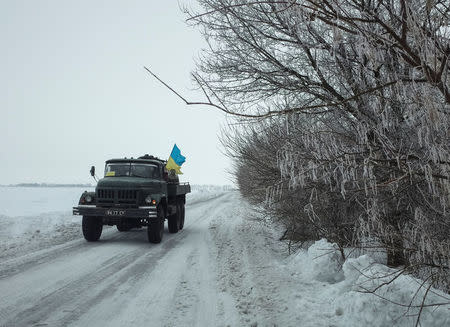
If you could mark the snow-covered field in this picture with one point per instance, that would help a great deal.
(226, 268)
(33, 218)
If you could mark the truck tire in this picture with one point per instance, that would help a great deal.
(173, 221)
(155, 228)
(182, 211)
(92, 228)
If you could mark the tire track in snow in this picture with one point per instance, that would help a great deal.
(18, 265)
(193, 298)
(78, 293)
(252, 287)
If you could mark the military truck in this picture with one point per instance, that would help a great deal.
(134, 193)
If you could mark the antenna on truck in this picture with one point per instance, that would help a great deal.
(92, 171)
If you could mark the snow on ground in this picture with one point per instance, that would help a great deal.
(26, 201)
(343, 288)
(226, 268)
(312, 287)
(33, 218)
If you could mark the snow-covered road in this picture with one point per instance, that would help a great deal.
(121, 280)
(193, 278)
(225, 268)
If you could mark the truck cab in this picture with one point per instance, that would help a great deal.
(134, 193)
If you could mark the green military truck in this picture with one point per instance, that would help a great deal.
(134, 193)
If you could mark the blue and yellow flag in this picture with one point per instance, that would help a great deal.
(175, 160)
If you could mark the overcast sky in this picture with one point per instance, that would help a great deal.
(73, 91)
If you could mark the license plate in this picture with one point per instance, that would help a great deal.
(115, 212)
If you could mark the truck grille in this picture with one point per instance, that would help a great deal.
(117, 197)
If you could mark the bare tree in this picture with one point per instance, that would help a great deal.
(364, 143)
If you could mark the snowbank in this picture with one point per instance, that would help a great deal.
(321, 262)
(349, 284)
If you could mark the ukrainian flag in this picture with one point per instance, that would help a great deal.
(175, 160)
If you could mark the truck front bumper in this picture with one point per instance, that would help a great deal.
(138, 213)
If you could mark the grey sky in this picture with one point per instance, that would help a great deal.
(73, 91)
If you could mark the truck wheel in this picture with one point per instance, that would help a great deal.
(155, 228)
(173, 221)
(92, 228)
(181, 216)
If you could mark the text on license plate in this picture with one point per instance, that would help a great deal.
(115, 212)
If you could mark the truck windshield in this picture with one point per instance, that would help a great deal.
(131, 169)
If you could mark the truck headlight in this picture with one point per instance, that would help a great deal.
(88, 198)
(148, 199)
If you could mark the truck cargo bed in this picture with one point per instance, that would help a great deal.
(178, 189)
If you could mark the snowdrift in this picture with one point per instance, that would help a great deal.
(366, 293)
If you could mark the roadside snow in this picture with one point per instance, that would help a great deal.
(347, 291)
(32, 218)
(267, 287)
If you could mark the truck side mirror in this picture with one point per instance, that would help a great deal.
(93, 171)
